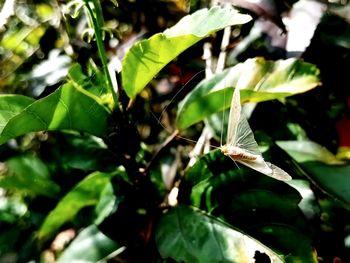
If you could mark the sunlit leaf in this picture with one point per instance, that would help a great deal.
(258, 79)
(145, 59)
(189, 235)
(86, 193)
(69, 107)
(30, 175)
(89, 246)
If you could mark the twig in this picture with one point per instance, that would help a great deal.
(222, 56)
(207, 56)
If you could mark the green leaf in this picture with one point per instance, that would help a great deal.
(303, 151)
(145, 59)
(189, 235)
(322, 167)
(258, 79)
(30, 175)
(251, 202)
(85, 193)
(69, 107)
(91, 245)
(10, 106)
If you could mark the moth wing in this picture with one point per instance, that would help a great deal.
(278, 173)
(235, 113)
(258, 165)
(266, 168)
(239, 132)
(245, 137)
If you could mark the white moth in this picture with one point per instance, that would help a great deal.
(241, 146)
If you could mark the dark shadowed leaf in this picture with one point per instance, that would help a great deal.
(145, 59)
(258, 79)
(189, 235)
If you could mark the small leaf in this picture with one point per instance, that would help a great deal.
(69, 107)
(89, 246)
(30, 175)
(258, 79)
(86, 193)
(189, 235)
(145, 59)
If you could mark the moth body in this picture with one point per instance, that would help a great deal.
(237, 153)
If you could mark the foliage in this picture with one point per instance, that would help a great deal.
(107, 109)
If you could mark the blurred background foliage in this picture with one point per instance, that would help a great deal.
(67, 195)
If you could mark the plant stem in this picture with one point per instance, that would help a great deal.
(97, 19)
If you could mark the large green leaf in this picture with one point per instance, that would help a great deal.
(10, 106)
(251, 202)
(322, 168)
(145, 59)
(89, 246)
(86, 193)
(258, 79)
(189, 235)
(69, 107)
(30, 175)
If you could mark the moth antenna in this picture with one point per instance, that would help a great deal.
(177, 93)
(178, 136)
(223, 120)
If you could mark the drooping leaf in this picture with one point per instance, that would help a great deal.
(145, 59)
(258, 79)
(70, 107)
(322, 167)
(251, 202)
(30, 175)
(189, 235)
(86, 193)
(89, 246)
